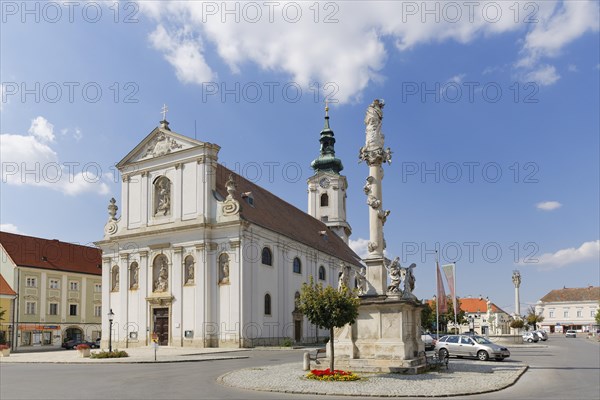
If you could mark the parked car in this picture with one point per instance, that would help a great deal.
(71, 344)
(542, 335)
(428, 341)
(530, 337)
(571, 333)
(470, 346)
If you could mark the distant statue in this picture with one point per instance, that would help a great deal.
(134, 277)
(343, 276)
(373, 152)
(395, 276)
(409, 278)
(231, 186)
(361, 281)
(189, 269)
(373, 120)
(116, 278)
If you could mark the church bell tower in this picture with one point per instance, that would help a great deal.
(327, 188)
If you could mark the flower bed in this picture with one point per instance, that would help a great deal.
(335, 375)
(110, 354)
(82, 346)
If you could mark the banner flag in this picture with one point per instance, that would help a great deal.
(441, 293)
(450, 272)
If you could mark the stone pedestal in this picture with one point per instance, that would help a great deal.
(385, 337)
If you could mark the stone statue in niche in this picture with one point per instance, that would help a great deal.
(115, 278)
(163, 196)
(134, 276)
(161, 284)
(189, 270)
(224, 269)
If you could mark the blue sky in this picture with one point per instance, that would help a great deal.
(492, 115)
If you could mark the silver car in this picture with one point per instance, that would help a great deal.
(470, 346)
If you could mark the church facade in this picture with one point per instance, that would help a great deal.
(200, 256)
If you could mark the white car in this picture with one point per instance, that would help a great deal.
(571, 333)
(428, 341)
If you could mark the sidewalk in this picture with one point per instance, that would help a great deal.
(164, 354)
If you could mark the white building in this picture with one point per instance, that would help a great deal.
(569, 308)
(200, 256)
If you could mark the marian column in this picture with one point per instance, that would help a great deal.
(374, 155)
(516, 278)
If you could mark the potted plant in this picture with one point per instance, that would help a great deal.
(83, 350)
(4, 350)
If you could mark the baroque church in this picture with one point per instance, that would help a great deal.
(200, 256)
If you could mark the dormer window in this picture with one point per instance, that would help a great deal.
(248, 197)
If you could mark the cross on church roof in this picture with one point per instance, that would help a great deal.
(164, 112)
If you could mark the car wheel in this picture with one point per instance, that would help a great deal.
(443, 353)
(530, 340)
(483, 355)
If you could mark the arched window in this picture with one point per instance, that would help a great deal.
(324, 200)
(134, 275)
(189, 269)
(160, 274)
(267, 257)
(162, 196)
(297, 266)
(224, 268)
(322, 275)
(115, 278)
(267, 304)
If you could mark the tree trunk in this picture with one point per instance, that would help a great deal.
(332, 358)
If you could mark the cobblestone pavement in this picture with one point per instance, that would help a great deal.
(462, 378)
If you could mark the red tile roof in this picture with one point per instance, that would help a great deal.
(474, 305)
(5, 288)
(28, 251)
(275, 214)
(590, 293)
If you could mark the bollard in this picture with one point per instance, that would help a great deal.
(306, 363)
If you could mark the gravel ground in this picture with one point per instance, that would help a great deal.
(462, 378)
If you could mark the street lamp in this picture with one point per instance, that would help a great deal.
(111, 315)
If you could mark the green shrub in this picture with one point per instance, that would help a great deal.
(110, 354)
(287, 342)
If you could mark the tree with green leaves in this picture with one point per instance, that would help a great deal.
(2, 312)
(517, 324)
(598, 314)
(328, 308)
(427, 317)
(533, 318)
(448, 316)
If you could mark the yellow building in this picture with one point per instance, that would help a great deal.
(7, 298)
(58, 289)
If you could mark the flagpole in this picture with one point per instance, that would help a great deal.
(437, 293)
(456, 305)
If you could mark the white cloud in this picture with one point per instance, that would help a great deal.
(572, 68)
(184, 53)
(27, 160)
(548, 205)
(350, 51)
(359, 246)
(11, 228)
(588, 251)
(42, 129)
(545, 75)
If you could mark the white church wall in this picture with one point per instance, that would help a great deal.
(189, 194)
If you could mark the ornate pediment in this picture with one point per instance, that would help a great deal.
(158, 143)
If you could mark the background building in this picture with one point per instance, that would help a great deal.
(484, 317)
(7, 301)
(58, 290)
(570, 308)
(201, 256)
